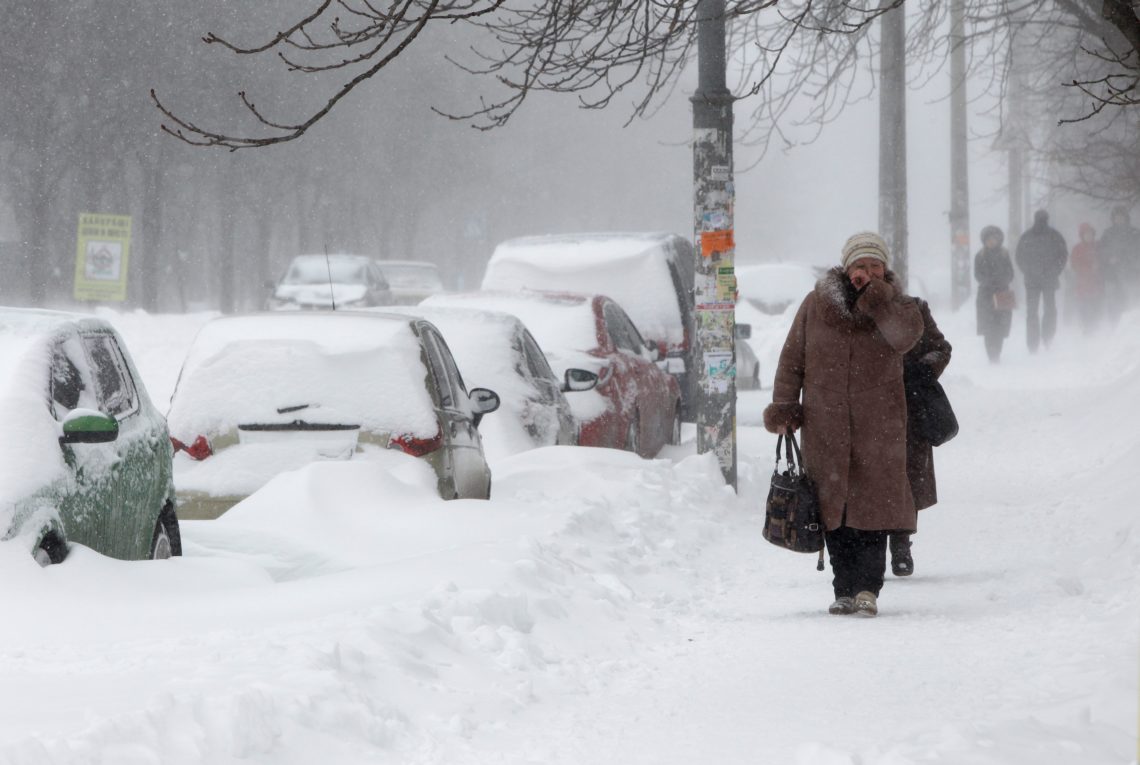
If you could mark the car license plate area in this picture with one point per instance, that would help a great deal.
(328, 442)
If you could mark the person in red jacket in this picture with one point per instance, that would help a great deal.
(1089, 278)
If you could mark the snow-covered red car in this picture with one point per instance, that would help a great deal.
(650, 275)
(636, 405)
(262, 394)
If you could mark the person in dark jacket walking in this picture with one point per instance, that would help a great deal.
(844, 354)
(1119, 251)
(994, 271)
(924, 362)
(1041, 256)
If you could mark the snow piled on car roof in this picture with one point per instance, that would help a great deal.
(330, 368)
(632, 269)
(561, 323)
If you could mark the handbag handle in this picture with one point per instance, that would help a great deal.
(796, 464)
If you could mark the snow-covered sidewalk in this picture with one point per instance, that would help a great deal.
(606, 609)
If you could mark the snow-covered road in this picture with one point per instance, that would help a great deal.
(605, 609)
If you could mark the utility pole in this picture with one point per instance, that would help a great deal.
(714, 291)
(959, 161)
(892, 139)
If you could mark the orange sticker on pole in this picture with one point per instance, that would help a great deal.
(713, 242)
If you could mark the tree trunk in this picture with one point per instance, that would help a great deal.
(148, 259)
(959, 161)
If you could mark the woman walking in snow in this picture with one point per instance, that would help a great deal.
(844, 354)
(993, 269)
(1089, 287)
(924, 362)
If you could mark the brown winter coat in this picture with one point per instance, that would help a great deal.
(846, 358)
(929, 358)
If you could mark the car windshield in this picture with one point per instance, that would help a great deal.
(316, 270)
(412, 276)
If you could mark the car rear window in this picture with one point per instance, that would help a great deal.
(327, 369)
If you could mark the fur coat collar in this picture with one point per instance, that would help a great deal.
(837, 297)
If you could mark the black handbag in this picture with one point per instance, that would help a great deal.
(792, 518)
(929, 414)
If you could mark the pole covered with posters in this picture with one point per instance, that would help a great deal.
(714, 291)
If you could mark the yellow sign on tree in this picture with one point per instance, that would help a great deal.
(102, 256)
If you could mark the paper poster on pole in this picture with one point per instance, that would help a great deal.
(102, 256)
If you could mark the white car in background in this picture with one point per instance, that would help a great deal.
(321, 282)
(498, 350)
(262, 394)
(410, 281)
(771, 287)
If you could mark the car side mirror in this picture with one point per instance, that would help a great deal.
(744, 331)
(482, 401)
(87, 426)
(578, 380)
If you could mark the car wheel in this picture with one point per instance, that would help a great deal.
(632, 436)
(675, 436)
(166, 542)
(50, 550)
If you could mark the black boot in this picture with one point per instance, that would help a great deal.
(902, 564)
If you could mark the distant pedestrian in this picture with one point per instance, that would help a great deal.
(994, 271)
(844, 355)
(924, 362)
(1041, 256)
(1089, 287)
(1119, 250)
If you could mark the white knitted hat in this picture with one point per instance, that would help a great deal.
(865, 244)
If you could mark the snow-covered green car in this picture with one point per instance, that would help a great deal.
(87, 456)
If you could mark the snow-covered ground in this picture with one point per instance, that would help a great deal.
(607, 609)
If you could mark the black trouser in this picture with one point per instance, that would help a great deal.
(1048, 321)
(858, 560)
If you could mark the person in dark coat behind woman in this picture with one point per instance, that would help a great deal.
(924, 362)
(844, 354)
(1041, 255)
(994, 271)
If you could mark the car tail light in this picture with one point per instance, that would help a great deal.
(200, 449)
(417, 447)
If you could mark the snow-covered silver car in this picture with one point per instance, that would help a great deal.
(321, 282)
(265, 393)
(87, 457)
(497, 349)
